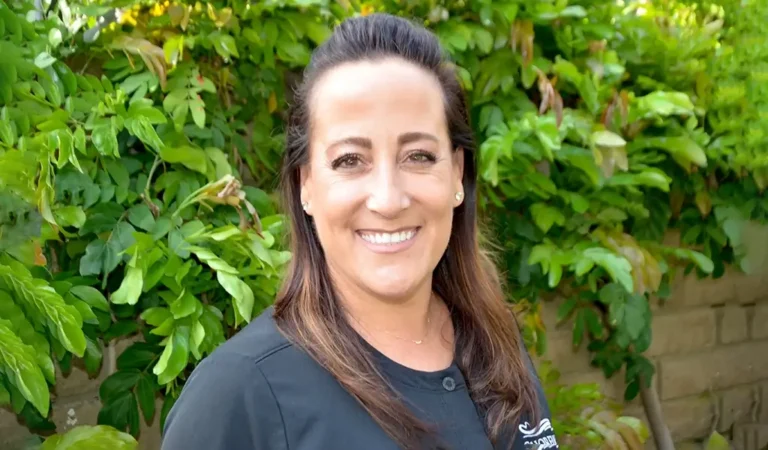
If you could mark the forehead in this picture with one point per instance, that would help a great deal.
(371, 97)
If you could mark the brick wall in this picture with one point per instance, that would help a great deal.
(710, 349)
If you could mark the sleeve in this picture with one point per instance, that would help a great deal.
(226, 404)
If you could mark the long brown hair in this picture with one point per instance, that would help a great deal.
(307, 310)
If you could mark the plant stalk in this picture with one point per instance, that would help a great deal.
(652, 407)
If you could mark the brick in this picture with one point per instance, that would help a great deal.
(76, 384)
(560, 352)
(763, 418)
(721, 368)
(737, 405)
(689, 418)
(71, 414)
(692, 291)
(750, 288)
(13, 435)
(733, 324)
(760, 321)
(751, 436)
(684, 331)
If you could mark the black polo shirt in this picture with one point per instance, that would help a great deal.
(257, 391)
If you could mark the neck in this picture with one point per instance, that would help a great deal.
(405, 316)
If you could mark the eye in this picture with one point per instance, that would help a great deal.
(422, 157)
(347, 161)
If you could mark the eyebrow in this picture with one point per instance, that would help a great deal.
(405, 138)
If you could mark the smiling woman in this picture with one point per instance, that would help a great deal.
(391, 329)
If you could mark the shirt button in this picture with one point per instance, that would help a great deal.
(449, 384)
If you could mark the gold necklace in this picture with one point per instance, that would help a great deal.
(414, 341)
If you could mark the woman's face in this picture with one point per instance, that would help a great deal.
(382, 180)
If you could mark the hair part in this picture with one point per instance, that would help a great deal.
(488, 345)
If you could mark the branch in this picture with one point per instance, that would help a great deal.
(652, 407)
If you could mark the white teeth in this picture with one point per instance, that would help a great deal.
(388, 238)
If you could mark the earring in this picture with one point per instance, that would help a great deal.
(305, 205)
(459, 195)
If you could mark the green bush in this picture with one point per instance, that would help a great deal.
(140, 144)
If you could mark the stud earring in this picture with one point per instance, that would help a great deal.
(305, 205)
(459, 195)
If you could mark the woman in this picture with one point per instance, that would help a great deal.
(391, 330)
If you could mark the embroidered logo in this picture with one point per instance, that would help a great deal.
(541, 437)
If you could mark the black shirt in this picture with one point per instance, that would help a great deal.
(257, 391)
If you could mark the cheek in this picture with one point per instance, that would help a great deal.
(334, 202)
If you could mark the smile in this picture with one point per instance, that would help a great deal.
(388, 242)
(388, 238)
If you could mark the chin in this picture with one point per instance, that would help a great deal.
(391, 286)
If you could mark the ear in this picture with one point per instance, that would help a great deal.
(305, 183)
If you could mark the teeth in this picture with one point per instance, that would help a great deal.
(388, 238)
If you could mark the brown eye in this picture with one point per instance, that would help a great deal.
(422, 157)
(348, 161)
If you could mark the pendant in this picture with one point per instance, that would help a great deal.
(418, 342)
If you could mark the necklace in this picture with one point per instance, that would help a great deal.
(414, 341)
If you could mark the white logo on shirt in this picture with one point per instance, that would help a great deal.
(532, 437)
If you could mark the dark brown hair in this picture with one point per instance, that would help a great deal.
(307, 310)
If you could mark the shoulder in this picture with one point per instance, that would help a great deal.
(256, 342)
(228, 392)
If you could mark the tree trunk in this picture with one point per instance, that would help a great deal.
(652, 407)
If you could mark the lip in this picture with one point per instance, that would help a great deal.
(389, 248)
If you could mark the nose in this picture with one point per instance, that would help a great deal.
(387, 195)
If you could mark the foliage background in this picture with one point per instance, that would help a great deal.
(140, 145)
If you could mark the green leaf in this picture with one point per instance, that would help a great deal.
(91, 296)
(156, 316)
(18, 361)
(104, 138)
(130, 288)
(118, 383)
(88, 437)
(197, 107)
(121, 412)
(605, 138)
(70, 216)
(241, 292)
(716, 441)
(545, 216)
(6, 133)
(120, 329)
(138, 356)
(51, 311)
(184, 305)
(631, 313)
(191, 157)
(617, 267)
(175, 356)
(224, 44)
(99, 258)
(145, 392)
(141, 217)
(664, 104)
(118, 172)
(93, 357)
(142, 128)
(683, 149)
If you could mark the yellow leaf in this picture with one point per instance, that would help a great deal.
(272, 103)
(39, 256)
(366, 10)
